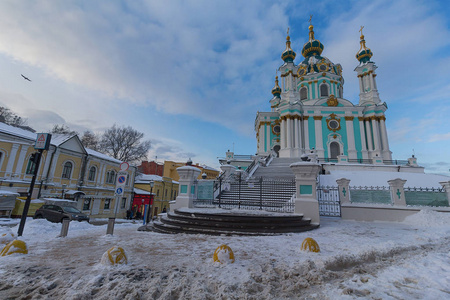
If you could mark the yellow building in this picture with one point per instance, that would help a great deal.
(67, 170)
(164, 190)
(170, 170)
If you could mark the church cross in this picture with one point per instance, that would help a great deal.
(310, 17)
(288, 31)
(398, 193)
(344, 191)
(361, 29)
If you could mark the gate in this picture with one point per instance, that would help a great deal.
(329, 204)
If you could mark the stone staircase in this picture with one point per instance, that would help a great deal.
(278, 168)
(229, 222)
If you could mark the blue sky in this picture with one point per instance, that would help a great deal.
(191, 75)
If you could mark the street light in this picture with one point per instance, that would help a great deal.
(149, 214)
(63, 190)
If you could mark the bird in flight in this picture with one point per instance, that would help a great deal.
(26, 78)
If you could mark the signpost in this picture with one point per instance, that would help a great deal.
(42, 143)
(119, 190)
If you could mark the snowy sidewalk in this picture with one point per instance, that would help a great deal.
(380, 260)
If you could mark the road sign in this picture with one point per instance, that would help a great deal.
(124, 166)
(121, 178)
(119, 191)
(42, 141)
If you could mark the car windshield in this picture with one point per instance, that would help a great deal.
(71, 209)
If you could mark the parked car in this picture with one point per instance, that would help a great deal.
(56, 213)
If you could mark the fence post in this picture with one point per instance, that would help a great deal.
(64, 228)
(260, 192)
(446, 186)
(344, 190)
(240, 175)
(397, 191)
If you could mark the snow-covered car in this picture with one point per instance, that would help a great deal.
(56, 213)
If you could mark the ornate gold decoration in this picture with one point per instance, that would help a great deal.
(332, 101)
(302, 78)
(305, 118)
(334, 136)
(361, 118)
(333, 123)
(324, 74)
(324, 81)
(349, 118)
(317, 117)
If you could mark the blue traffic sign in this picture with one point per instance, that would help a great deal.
(119, 191)
(121, 179)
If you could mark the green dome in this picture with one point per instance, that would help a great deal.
(364, 54)
(313, 46)
(276, 91)
(288, 54)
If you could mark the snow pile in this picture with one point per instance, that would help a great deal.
(358, 260)
(428, 218)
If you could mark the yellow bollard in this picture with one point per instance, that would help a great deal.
(16, 246)
(114, 256)
(310, 245)
(223, 254)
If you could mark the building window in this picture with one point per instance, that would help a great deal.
(323, 90)
(67, 170)
(122, 204)
(31, 166)
(86, 203)
(303, 93)
(107, 203)
(92, 172)
(110, 177)
(157, 193)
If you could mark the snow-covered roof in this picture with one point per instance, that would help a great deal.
(8, 193)
(144, 178)
(8, 129)
(141, 192)
(102, 156)
(367, 178)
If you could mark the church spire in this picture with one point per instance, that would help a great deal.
(364, 54)
(276, 91)
(288, 54)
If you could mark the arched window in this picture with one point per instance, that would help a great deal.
(340, 92)
(92, 172)
(303, 93)
(335, 149)
(324, 90)
(67, 170)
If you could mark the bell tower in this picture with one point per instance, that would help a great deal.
(368, 91)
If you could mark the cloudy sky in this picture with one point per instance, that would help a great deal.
(191, 75)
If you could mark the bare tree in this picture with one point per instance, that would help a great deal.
(124, 143)
(62, 129)
(10, 118)
(90, 140)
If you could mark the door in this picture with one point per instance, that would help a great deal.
(335, 150)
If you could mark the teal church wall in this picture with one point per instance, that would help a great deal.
(312, 133)
(358, 142)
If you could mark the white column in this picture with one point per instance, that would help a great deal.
(306, 131)
(372, 81)
(384, 139)
(289, 132)
(300, 133)
(376, 133)
(310, 90)
(319, 139)
(103, 173)
(268, 129)
(316, 88)
(283, 133)
(261, 137)
(11, 160)
(20, 162)
(55, 161)
(48, 160)
(369, 135)
(296, 135)
(350, 137)
(363, 138)
(361, 87)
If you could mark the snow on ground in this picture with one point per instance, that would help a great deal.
(358, 260)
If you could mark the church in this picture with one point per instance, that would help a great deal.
(309, 111)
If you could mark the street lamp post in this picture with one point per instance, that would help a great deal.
(149, 214)
(63, 190)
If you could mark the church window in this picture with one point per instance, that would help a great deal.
(323, 90)
(303, 93)
(334, 150)
(276, 129)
